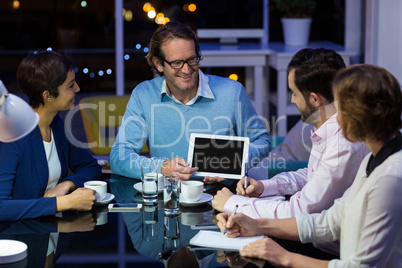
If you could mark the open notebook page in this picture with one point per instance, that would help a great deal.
(218, 240)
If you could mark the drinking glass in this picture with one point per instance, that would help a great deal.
(171, 194)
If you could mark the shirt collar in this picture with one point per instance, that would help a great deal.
(203, 90)
(388, 149)
(326, 130)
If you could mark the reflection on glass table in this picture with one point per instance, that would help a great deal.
(166, 237)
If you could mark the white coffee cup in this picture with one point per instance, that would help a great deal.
(99, 186)
(191, 191)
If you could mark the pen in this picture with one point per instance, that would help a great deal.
(233, 212)
(245, 180)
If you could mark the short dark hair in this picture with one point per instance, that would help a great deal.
(315, 70)
(171, 30)
(369, 101)
(42, 71)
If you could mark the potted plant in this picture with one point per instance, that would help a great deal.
(296, 20)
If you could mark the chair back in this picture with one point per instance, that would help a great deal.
(102, 117)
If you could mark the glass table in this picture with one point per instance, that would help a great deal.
(148, 238)
(99, 238)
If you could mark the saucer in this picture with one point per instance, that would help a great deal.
(12, 251)
(204, 199)
(106, 200)
(138, 187)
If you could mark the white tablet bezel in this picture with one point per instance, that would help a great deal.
(246, 141)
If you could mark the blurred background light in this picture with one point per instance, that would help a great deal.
(128, 16)
(234, 77)
(147, 7)
(151, 14)
(16, 4)
(192, 7)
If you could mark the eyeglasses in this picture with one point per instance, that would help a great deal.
(178, 64)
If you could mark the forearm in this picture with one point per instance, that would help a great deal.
(125, 161)
(280, 228)
(68, 185)
(63, 203)
(285, 183)
(295, 260)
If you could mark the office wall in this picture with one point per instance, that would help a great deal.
(383, 44)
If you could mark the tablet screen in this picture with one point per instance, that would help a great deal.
(217, 155)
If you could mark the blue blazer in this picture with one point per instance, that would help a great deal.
(24, 173)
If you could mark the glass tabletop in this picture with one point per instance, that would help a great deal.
(99, 238)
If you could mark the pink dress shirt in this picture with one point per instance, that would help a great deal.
(331, 169)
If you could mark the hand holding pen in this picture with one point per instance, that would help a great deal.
(254, 187)
(245, 180)
(233, 213)
(239, 224)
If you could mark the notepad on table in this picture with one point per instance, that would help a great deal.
(217, 240)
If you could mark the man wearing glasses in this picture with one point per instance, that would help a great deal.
(165, 110)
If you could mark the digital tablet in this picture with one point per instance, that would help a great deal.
(218, 155)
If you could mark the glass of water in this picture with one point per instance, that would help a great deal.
(149, 178)
(171, 194)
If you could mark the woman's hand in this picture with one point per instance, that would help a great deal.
(238, 225)
(61, 189)
(266, 249)
(81, 199)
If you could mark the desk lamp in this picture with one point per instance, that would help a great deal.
(17, 118)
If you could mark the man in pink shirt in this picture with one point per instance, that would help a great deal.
(333, 161)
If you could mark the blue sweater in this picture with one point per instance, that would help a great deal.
(24, 173)
(166, 125)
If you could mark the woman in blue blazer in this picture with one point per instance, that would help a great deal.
(34, 171)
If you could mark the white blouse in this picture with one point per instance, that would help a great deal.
(367, 218)
(53, 163)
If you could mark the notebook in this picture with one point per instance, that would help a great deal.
(218, 155)
(217, 240)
